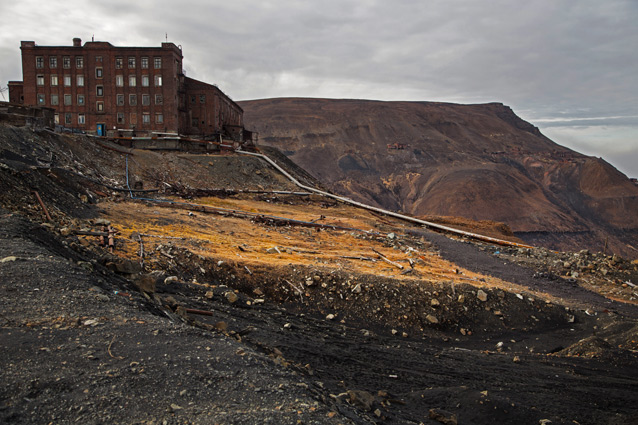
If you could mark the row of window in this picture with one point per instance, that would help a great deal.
(132, 80)
(146, 118)
(55, 100)
(68, 99)
(68, 119)
(53, 62)
(55, 80)
(144, 61)
(79, 62)
(119, 80)
(81, 118)
(146, 99)
(202, 98)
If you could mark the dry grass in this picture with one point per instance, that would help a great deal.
(250, 243)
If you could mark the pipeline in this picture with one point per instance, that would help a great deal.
(342, 199)
(385, 212)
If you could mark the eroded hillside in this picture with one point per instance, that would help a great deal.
(476, 161)
(229, 296)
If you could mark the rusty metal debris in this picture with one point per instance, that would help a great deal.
(200, 312)
(44, 208)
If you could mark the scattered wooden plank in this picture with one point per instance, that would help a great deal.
(381, 256)
(352, 257)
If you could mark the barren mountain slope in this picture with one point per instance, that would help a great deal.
(478, 161)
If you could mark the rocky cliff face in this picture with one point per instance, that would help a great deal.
(477, 161)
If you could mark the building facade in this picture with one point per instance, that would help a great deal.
(122, 91)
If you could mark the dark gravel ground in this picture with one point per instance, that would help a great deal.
(468, 255)
(74, 351)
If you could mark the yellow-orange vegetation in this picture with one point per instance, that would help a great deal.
(249, 243)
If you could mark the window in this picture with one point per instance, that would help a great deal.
(146, 118)
(81, 119)
(159, 118)
(98, 59)
(99, 91)
(68, 118)
(131, 62)
(98, 72)
(40, 80)
(158, 81)
(202, 98)
(80, 99)
(120, 100)
(132, 81)
(55, 100)
(66, 62)
(157, 62)
(67, 99)
(193, 98)
(119, 63)
(120, 118)
(53, 61)
(67, 81)
(119, 81)
(39, 62)
(132, 99)
(144, 62)
(99, 106)
(133, 118)
(79, 62)
(54, 80)
(146, 100)
(56, 118)
(159, 99)
(80, 80)
(145, 81)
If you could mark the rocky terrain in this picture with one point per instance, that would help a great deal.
(229, 296)
(480, 162)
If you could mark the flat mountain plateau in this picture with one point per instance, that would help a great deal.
(232, 296)
(481, 162)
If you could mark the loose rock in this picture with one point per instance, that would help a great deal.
(481, 295)
(231, 297)
(443, 416)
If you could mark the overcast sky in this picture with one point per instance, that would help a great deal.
(569, 67)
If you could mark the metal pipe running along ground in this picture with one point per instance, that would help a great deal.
(386, 212)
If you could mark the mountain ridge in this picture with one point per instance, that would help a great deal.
(479, 161)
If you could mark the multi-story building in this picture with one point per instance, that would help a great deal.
(108, 90)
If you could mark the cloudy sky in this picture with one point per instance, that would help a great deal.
(569, 67)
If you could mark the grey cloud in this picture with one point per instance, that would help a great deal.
(590, 122)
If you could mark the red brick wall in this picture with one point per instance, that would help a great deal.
(212, 108)
(16, 92)
(103, 55)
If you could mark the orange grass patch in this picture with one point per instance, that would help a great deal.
(252, 243)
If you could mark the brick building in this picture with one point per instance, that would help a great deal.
(123, 91)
